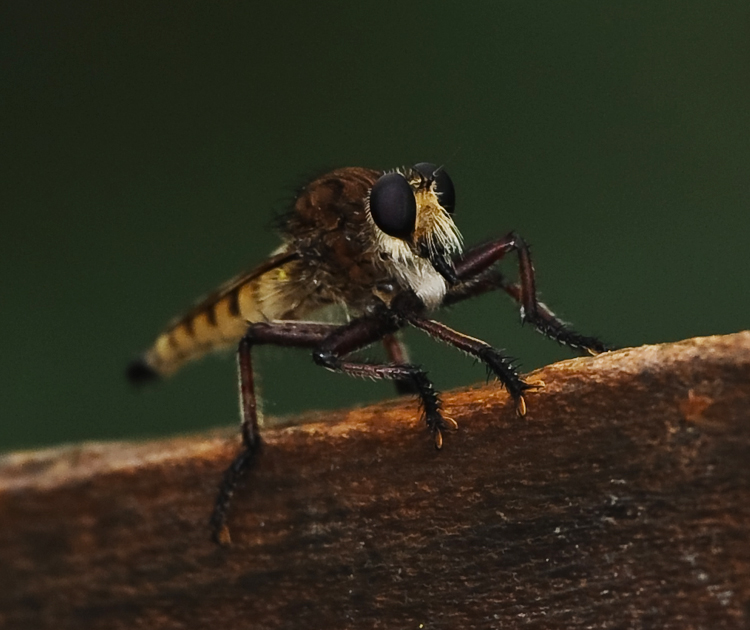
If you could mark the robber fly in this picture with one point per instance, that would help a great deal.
(384, 249)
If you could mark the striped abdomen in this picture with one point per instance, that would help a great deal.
(220, 320)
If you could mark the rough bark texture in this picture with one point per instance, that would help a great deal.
(621, 501)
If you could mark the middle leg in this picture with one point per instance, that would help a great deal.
(396, 352)
(333, 351)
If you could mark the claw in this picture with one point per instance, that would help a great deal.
(521, 406)
(450, 423)
(438, 439)
(537, 385)
(222, 536)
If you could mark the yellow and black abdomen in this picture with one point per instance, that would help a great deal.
(219, 320)
(325, 260)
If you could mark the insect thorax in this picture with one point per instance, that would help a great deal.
(344, 258)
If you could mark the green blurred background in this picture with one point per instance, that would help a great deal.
(146, 145)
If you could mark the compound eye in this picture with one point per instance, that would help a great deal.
(393, 205)
(443, 184)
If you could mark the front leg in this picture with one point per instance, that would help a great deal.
(473, 269)
(495, 360)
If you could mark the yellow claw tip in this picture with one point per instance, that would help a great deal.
(223, 537)
(453, 424)
(438, 439)
(521, 406)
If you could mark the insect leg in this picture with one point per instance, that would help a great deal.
(293, 334)
(361, 332)
(397, 353)
(492, 280)
(484, 282)
(494, 359)
(473, 265)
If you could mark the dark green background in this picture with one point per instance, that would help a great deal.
(146, 145)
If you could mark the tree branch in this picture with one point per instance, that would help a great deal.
(621, 500)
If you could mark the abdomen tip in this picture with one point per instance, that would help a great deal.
(140, 372)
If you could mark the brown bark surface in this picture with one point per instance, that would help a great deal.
(622, 500)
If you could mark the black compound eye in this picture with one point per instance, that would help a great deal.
(393, 205)
(443, 184)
